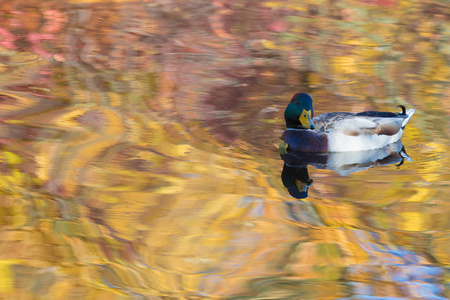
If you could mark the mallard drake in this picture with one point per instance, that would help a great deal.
(339, 131)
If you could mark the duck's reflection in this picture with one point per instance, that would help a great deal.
(295, 175)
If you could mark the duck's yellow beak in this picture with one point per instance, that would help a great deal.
(305, 119)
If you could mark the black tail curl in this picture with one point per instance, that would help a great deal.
(403, 110)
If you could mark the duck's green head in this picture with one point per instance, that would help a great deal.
(299, 112)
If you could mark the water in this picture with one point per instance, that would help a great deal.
(139, 159)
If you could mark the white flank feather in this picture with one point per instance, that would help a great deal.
(338, 141)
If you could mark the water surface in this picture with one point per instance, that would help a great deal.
(139, 159)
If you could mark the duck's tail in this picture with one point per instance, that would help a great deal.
(409, 113)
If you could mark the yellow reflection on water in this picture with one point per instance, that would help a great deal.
(137, 157)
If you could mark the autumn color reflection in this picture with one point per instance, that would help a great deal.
(137, 155)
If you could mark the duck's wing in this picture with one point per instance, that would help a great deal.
(328, 120)
(360, 125)
(366, 123)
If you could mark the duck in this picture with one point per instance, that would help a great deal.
(339, 131)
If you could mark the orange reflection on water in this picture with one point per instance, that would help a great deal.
(137, 150)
